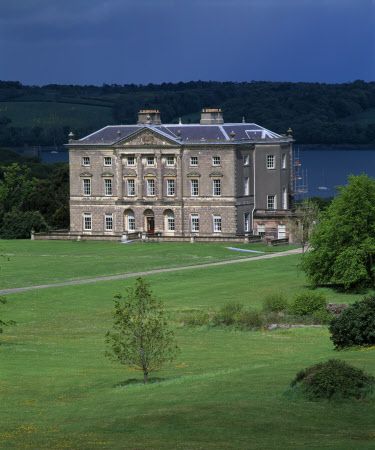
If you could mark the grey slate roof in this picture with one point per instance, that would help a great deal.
(184, 133)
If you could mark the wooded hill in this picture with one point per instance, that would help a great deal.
(318, 113)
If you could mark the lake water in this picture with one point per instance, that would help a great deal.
(325, 167)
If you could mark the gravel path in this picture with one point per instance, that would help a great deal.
(124, 276)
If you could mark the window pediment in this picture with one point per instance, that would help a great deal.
(193, 175)
(85, 174)
(216, 175)
(130, 173)
(107, 174)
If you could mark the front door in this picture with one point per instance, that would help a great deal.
(150, 225)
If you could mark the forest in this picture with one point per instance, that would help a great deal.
(318, 113)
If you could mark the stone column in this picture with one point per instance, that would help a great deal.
(159, 179)
(119, 176)
(140, 176)
(180, 190)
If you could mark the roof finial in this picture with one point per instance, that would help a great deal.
(179, 121)
(71, 136)
(290, 132)
(243, 119)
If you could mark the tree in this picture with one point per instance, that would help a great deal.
(343, 242)
(141, 337)
(306, 214)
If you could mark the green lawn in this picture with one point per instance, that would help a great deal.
(225, 391)
(28, 262)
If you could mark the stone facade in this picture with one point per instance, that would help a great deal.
(209, 179)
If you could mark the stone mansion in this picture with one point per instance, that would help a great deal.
(212, 179)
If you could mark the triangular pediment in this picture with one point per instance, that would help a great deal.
(147, 137)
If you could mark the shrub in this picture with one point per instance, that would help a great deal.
(249, 319)
(196, 318)
(333, 379)
(275, 302)
(227, 314)
(306, 303)
(322, 316)
(355, 325)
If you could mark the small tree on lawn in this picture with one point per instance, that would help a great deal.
(141, 337)
(305, 218)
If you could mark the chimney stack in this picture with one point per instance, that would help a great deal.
(211, 116)
(149, 116)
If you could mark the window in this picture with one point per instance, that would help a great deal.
(216, 187)
(131, 221)
(130, 161)
(246, 220)
(270, 161)
(271, 201)
(217, 224)
(246, 186)
(194, 222)
(130, 184)
(285, 198)
(171, 187)
(150, 187)
(87, 186)
(170, 222)
(87, 222)
(170, 161)
(283, 160)
(107, 186)
(107, 161)
(261, 230)
(108, 222)
(246, 160)
(193, 160)
(281, 231)
(194, 185)
(150, 160)
(216, 161)
(86, 160)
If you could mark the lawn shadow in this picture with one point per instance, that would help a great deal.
(138, 381)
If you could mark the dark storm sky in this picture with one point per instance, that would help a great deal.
(142, 41)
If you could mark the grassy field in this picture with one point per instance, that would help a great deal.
(227, 389)
(27, 263)
(46, 114)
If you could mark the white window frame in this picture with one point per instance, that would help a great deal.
(150, 187)
(195, 159)
(217, 224)
(108, 222)
(130, 222)
(246, 186)
(216, 160)
(171, 187)
(274, 202)
(86, 182)
(194, 223)
(107, 161)
(285, 198)
(271, 162)
(194, 187)
(86, 161)
(130, 187)
(87, 216)
(130, 158)
(148, 161)
(108, 187)
(246, 221)
(170, 222)
(170, 161)
(216, 187)
(283, 161)
(261, 230)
